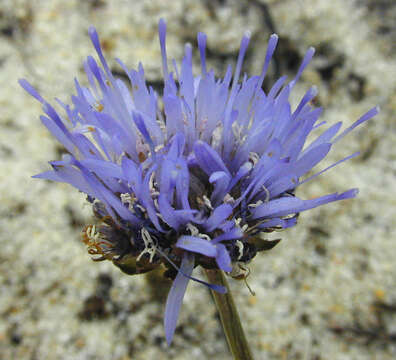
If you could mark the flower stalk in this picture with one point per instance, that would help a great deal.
(229, 317)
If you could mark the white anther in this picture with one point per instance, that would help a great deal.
(96, 244)
(125, 198)
(140, 207)
(161, 122)
(237, 270)
(159, 147)
(151, 182)
(254, 158)
(237, 221)
(217, 136)
(195, 232)
(192, 229)
(156, 204)
(238, 133)
(228, 199)
(92, 234)
(128, 199)
(207, 202)
(254, 205)
(118, 158)
(159, 215)
(150, 247)
(204, 236)
(237, 130)
(267, 194)
(239, 245)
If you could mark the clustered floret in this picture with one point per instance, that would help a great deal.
(192, 177)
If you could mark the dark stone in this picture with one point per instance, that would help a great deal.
(93, 309)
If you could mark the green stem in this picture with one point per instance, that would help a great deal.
(232, 326)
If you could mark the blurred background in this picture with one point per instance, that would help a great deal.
(327, 291)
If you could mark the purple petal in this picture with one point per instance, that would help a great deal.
(187, 89)
(278, 207)
(283, 223)
(311, 158)
(282, 184)
(138, 119)
(60, 127)
(219, 215)
(147, 200)
(105, 195)
(86, 147)
(221, 182)
(162, 39)
(235, 233)
(325, 137)
(96, 71)
(273, 41)
(175, 297)
(367, 116)
(291, 205)
(223, 258)
(242, 172)
(182, 184)
(132, 174)
(276, 87)
(168, 178)
(59, 133)
(242, 51)
(174, 114)
(104, 168)
(208, 158)
(30, 89)
(307, 59)
(219, 288)
(329, 167)
(167, 211)
(296, 141)
(96, 43)
(201, 37)
(310, 94)
(197, 245)
(177, 147)
(67, 174)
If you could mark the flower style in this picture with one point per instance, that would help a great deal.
(191, 178)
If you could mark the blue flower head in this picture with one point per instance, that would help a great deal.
(194, 176)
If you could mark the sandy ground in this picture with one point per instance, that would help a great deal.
(327, 291)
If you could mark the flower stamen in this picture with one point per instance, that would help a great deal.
(150, 246)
